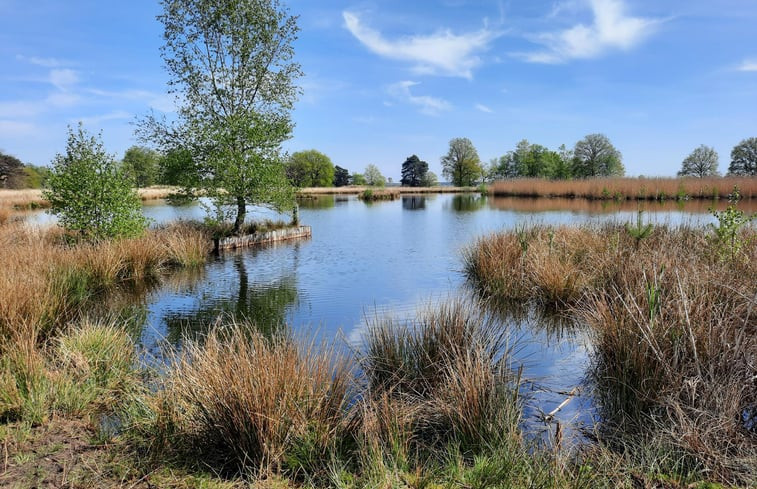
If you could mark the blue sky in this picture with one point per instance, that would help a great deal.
(387, 79)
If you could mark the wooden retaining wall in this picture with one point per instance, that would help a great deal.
(234, 242)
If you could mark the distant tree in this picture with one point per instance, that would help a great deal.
(90, 192)
(35, 176)
(310, 168)
(11, 171)
(461, 164)
(702, 162)
(430, 180)
(358, 179)
(177, 167)
(595, 156)
(373, 176)
(413, 171)
(563, 169)
(341, 176)
(142, 164)
(744, 158)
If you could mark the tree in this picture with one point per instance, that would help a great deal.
(373, 176)
(413, 171)
(744, 158)
(595, 156)
(177, 167)
(341, 176)
(90, 193)
(461, 164)
(702, 162)
(430, 180)
(310, 168)
(358, 179)
(11, 171)
(142, 164)
(231, 65)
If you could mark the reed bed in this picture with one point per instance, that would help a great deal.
(712, 188)
(674, 326)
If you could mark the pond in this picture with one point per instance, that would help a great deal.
(387, 258)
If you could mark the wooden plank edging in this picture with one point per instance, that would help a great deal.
(253, 239)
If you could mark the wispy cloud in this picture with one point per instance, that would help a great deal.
(748, 65)
(158, 101)
(110, 116)
(63, 79)
(16, 128)
(483, 108)
(428, 105)
(46, 62)
(612, 28)
(440, 53)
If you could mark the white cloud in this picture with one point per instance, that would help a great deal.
(612, 28)
(110, 116)
(441, 53)
(483, 108)
(46, 62)
(748, 65)
(63, 79)
(158, 101)
(428, 105)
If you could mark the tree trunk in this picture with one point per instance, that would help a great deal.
(241, 214)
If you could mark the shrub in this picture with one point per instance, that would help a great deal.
(90, 193)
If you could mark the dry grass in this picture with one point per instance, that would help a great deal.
(674, 323)
(32, 198)
(247, 402)
(628, 188)
(558, 204)
(45, 281)
(443, 378)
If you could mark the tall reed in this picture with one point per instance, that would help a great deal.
(627, 188)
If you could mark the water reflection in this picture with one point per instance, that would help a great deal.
(316, 201)
(532, 205)
(467, 202)
(262, 304)
(413, 202)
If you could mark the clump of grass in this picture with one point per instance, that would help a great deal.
(84, 371)
(372, 195)
(248, 403)
(5, 215)
(450, 369)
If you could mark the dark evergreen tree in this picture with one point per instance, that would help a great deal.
(413, 172)
(744, 158)
(11, 171)
(341, 176)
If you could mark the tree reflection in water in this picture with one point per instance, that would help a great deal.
(263, 305)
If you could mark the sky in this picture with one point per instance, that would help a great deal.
(385, 79)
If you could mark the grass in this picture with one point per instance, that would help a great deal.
(32, 198)
(662, 189)
(372, 195)
(673, 326)
(46, 282)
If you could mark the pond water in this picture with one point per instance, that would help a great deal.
(387, 258)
